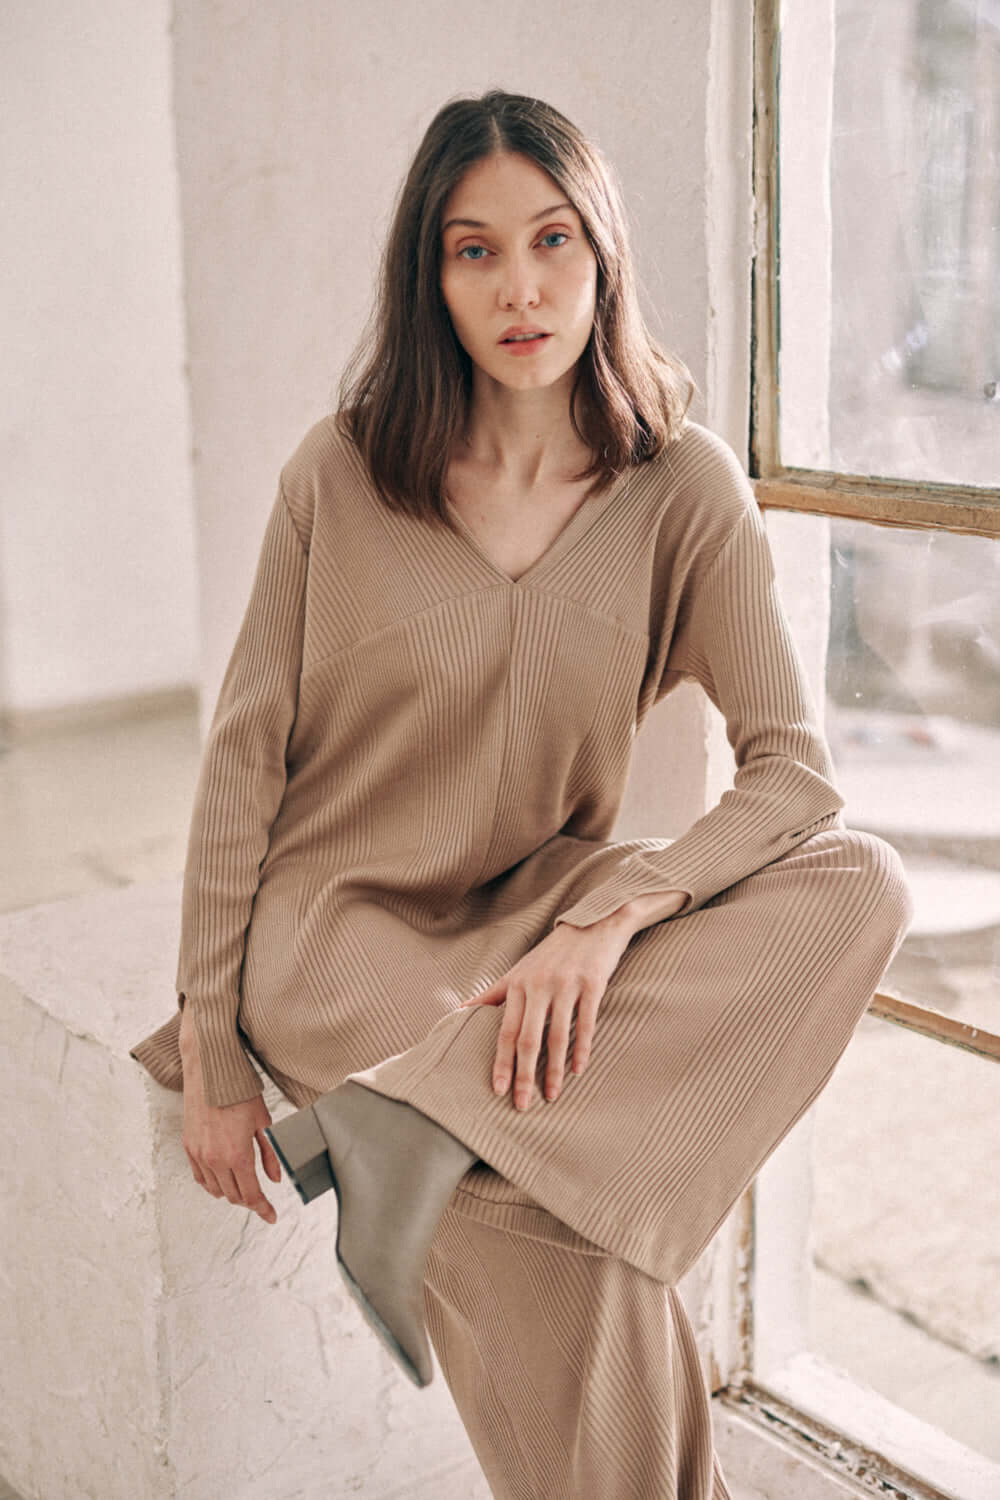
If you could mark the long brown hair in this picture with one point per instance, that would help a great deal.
(405, 393)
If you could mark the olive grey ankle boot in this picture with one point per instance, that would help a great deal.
(393, 1170)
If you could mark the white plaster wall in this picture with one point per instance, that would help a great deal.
(806, 289)
(729, 220)
(683, 762)
(97, 594)
(800, 544)
(783, 1192)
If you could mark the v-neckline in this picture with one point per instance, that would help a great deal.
(563, 539)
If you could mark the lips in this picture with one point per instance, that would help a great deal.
(522, 333)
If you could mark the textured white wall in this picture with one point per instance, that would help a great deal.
(807, 73)
(169, 1347)
(97, 591)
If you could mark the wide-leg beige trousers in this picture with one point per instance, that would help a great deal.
(576, 1376)
(550, 1290)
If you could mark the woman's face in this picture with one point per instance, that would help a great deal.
(521, 259)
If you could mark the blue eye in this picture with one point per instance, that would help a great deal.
(479, 252)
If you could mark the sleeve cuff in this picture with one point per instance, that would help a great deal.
(228, 1075)
(702, 863)
(160, 1054)
(634, 876)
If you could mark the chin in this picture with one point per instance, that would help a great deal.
(526, 375)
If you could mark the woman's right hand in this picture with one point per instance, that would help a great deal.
(219, 1141)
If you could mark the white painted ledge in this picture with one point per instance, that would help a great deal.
(873, 1424)
(157, 1343)
(768, 1469)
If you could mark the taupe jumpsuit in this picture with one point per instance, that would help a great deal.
(412, 774)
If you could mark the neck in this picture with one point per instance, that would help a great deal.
(523, 437)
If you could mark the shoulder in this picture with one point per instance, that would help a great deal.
(706, 487)
(705, 502)
(707, 476)
(325, 462)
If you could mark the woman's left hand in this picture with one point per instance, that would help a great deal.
(567, 972)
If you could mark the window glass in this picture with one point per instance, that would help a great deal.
(889, 283)
(906, 1203)
(912, 715)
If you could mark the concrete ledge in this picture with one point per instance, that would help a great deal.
(157, 1343)
(95, 713)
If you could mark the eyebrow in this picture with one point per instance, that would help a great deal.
(478, 223)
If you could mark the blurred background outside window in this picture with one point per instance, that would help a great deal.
(888, 366)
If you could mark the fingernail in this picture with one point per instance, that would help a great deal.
(500, 1085)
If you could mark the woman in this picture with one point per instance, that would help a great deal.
(544, 1064)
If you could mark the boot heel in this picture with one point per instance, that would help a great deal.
(301, 1149)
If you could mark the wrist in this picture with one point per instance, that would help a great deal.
(619, 924)
(643, 911)
(187, 1037)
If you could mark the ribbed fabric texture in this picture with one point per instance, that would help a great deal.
(409, 746)
(412, 774)
(715, 1033)
(576, 1377)
(575, 1371)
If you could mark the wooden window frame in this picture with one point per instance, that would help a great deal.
(897, 503)
(767, 1425)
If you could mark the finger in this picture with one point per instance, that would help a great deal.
(250, 1193)
(268, 1157)
(556, 1047)
(211, 1182)
(226, 1179)
(529, 1043)
(586, 1024)
(196, 1171)
(493, 996)
(503, 1063)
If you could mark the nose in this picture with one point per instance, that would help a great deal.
(518, 284)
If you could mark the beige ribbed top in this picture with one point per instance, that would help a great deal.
(414, 755)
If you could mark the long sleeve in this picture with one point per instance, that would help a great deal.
(239, 792)
(732, 637)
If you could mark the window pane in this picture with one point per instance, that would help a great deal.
(906, 1214)
(912, 715)
(889, 285)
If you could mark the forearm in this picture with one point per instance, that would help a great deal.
(239, 794)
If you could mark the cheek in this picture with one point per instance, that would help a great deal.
(585, 292)
(458, 299)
